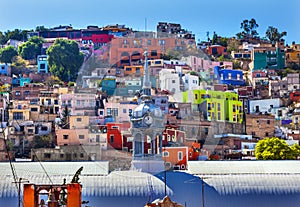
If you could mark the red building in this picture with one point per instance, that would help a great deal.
(295, 96)
(98, 39)
(114, 135)
(172, 134)
(216, 50)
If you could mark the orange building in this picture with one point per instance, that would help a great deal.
(134, 70)
(175, 157)
(72, 137)
(70, 193)
(129, 51)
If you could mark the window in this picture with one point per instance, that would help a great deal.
(153, 53)
(78, 103)
(47, 155)
(97, 138)
(173, 81)
(206, 131)
(167, 164)
(180, 155)
(111, 138)
(208, 106)
(268, 121)
(162, 42)
(115, 112)
(81, 136)
(108, 111)
(219, 116)
(267, 134)
(61, 155)
(78, 119)
(124, 111)
(81, 155)
(253, 133)
(65, 136)
(26, 93)
(42, 66)
(219, 107)
(165, 154)
(34, 109)
(169, 138)
(18, 116)
(18, 93)
(229, 76)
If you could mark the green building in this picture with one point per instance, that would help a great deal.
(216, 105)
(273, 59)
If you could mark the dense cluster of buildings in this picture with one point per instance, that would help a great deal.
(212, 110)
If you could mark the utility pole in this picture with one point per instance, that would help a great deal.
(21, 180)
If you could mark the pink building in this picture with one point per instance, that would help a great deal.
(205, 64)
(120, 110)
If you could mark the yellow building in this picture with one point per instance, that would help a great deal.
(19, 111)
(292, 54)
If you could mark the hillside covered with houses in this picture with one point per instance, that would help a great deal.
(219, 96)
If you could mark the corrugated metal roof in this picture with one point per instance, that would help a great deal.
(94, 178)
(55, 168)
(244, 167)
(269, 184)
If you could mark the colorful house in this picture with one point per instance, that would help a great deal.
(272, 58)
(229, 76)
(217, 50)
(114, 136)
(175, 157)
(42, 63)
(216, 105)
(5, 69)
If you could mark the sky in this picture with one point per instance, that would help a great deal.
(199, 16)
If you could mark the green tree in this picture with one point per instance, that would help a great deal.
(16, 34)
(276, 149)
(18, 62)
(171, 55)
(41, 29)
(249, 29)
(232, 45)
(41, 141)
(274, 35)
(65, 59)
(31, 49)
(214, 39)
(7, 54)
(2, 38)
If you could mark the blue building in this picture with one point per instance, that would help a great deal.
(228, 76)
(109, 85)
(42, 63)
(4, 69)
